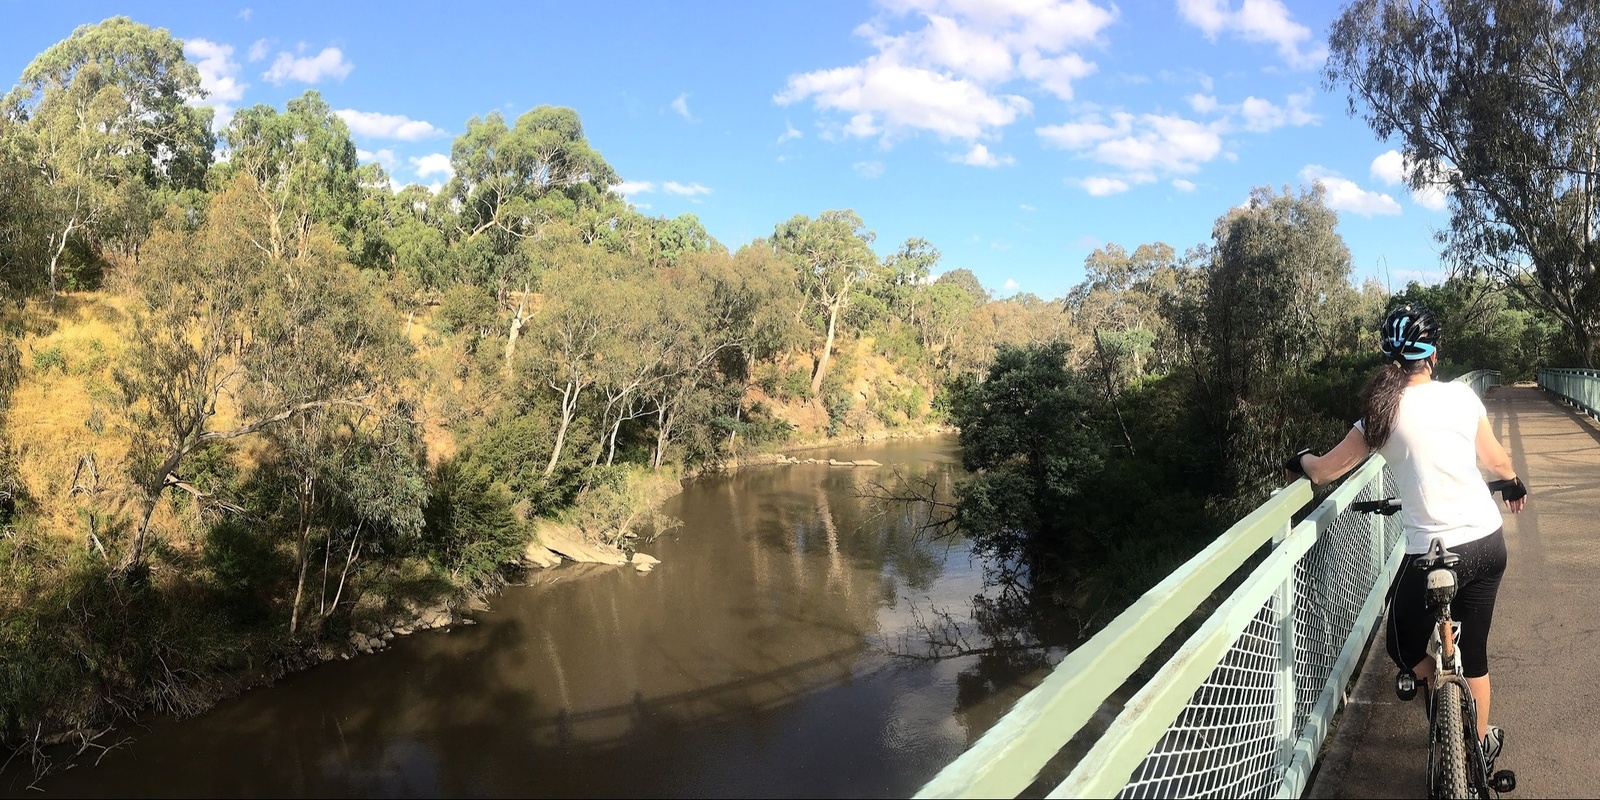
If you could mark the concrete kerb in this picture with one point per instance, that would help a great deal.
(1327, 781)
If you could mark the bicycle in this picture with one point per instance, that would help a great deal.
(1457, 767)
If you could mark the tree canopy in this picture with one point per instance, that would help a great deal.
(1496, 103)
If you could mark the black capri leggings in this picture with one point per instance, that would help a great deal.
(1483, 561)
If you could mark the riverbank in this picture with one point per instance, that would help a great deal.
(768, 618)
(224, 658)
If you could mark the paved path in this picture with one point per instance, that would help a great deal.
(1543, 650)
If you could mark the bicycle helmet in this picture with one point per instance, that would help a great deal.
(1410, 333)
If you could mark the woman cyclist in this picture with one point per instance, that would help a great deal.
(1433, 434)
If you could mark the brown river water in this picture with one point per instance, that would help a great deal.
(778, 650)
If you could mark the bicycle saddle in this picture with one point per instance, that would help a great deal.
(1437, 556)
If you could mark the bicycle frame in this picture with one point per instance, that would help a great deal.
(1439, 592)
(1447, 669)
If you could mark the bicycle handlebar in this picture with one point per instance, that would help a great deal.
(1386, 506)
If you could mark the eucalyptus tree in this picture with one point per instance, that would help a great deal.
(23, 224)
(320, 336)
(228, 341)
(1497, 104)
(1274, 304)
(577, 328)
(301, 165)
(509, 181)
(832, 252)
(711, 311)
(905, 273)
(107, 117)
(681, 236)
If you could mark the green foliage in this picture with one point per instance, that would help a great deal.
(248, 568)
(1487, 326)
(471, 532)
(895, 406)
(79, 640)
(791, 384)
(48, 359)
(1494, 104)
(513, 448)
(622, 503)
(466, 308)
(1031, 444)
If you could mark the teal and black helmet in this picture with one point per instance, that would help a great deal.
(1409, 333)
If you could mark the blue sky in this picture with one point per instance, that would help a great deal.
(1015, 135)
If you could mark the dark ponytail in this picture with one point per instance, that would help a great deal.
(1381, 399)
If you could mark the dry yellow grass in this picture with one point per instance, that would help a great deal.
(66, 412)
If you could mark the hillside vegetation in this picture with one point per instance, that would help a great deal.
(256, 404)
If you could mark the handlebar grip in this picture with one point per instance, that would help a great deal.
(1386, 506)
(1510, 490)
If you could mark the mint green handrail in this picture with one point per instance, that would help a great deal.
(1579, 387)
(1008, 758)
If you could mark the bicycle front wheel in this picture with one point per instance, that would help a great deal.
(1449, 743)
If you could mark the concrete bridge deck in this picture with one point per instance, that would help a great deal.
(1544, 645)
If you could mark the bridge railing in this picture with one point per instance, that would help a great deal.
(1243, 706)
(1579, 387)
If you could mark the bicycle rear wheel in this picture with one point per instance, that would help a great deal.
(1449, 778)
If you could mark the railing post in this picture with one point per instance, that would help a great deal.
(1287, 687)
(1380, 529)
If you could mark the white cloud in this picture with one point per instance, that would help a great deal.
(1182, 185)
(385, 157)
(1257, 21)
(1055, 75)
(681, 105)
(433, 164)
(941, 72)
(258, 50)
(1389, 167)
(630, 188)
(1202, 103)
(891, 99)
(219, 73)
(868, 169)
(1430, 197)
(1026, 207)
(1260, 115)
(386, 126)
(685, 189)
(789, 132)
(979, 156)
(1010, 285)
(1088, 130)
(1344, 195)
(1143, 147)
(1148, 142)
(245, 14)
(329, 63)
(1100, 185)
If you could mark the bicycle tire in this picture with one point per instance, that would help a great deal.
(1449, 744)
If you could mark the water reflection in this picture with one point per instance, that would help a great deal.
(777, 651)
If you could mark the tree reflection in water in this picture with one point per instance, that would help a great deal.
(1013, 632)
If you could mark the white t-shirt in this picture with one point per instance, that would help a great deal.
(1433, 453)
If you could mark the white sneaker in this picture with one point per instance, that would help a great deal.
(1493, 742)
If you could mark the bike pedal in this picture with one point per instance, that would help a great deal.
(1504, 781)
(1405, 686)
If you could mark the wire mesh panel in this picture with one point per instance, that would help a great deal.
(1226, 741)
(1240, 729)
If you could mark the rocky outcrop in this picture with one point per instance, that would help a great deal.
(571, 545)
(537, 556)
(375, 636)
